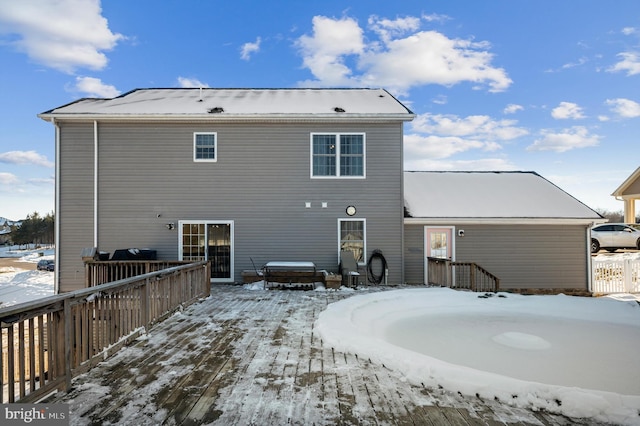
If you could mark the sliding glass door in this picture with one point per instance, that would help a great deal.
(212, 241)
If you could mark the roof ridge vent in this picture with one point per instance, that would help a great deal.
(216, 110)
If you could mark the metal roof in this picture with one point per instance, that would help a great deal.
(239, 103)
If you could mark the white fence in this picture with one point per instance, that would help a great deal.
(615, 276)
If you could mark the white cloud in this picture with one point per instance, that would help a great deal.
(403, 56)
(25, 157)
(630, 63)
(629, 30)
(186, 82)
(512, 108)
(62, 34)
(95, 88)
(476, 126)
(387, 29)
(567, 110)
(323, 53)
(565, 140)
(8, 178)
(624, 107)
(248, 49)
(437, 147)
(483, 164)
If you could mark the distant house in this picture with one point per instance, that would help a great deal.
(517, 225)
(234, 176)
(629, 192)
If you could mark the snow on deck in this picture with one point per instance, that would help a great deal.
(251, 357)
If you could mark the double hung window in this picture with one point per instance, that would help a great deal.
(338, 155)
(205, 147)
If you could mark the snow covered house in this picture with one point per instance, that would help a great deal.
(235, 176)
(517, 225)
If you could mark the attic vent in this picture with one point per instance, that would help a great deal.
(338, 109)
(216, 110)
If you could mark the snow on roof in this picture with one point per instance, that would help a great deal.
(221, 103)
(485, 195)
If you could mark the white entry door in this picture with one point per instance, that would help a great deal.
(438, 242)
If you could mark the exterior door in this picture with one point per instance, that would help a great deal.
(439, 243)
(212, 241)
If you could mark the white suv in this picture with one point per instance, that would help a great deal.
(613, 236)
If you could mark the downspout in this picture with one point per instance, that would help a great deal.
(589, 264)
(56, 204)
(95, 184)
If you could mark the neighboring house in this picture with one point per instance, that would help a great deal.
(517, 225)
(235, 176)
(629, 192)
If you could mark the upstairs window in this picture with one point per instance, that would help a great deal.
(338, 155)
(205, 147)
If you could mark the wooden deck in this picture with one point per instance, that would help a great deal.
(240, 358)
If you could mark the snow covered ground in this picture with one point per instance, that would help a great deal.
(18, 285)
(570, 355)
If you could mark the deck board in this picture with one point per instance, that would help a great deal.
(248, 363)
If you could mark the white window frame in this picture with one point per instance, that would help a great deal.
(195, 146)
(364, 237)
(231, 224)
(338, 155)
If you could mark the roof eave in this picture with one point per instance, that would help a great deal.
(634, 176)
(48, 116)
(503, 220)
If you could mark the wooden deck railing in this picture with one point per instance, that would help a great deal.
(462, 275)
(48, 341)
(100, 272)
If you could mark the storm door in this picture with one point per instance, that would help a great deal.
(438, 243)
(212, 241)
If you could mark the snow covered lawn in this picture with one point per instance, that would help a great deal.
(17, 284)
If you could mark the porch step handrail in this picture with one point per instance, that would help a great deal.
(461, 275)
(46, 342)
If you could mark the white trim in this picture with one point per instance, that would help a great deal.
(95, 183)
(297, 118)
(364, 237)
(425, 251)
(231, 224)
(215, 148)
(502, 221)
(338, 175)
(56, 275)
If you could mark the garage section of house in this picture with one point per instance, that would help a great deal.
(518, 226)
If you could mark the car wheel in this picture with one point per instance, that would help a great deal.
(595, 246)
(638, 244)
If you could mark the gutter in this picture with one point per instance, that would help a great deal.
(225, 117)
(503, 221)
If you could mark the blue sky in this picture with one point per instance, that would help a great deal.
(535, 85)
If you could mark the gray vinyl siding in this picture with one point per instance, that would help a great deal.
(522, 256)
(261, 181)
(75, 214)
